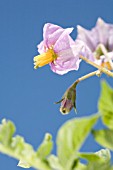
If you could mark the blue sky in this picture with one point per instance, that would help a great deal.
(27, 96)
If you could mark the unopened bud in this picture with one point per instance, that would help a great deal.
(68, 100)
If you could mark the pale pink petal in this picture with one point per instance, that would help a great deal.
(41, 48)
(68, 58)
(63, 70)
(52, 33)
(102, 33)
(87, 37)
(64, 41)
(50, 29)
(58, 38)
(83, 49)
(110, 40)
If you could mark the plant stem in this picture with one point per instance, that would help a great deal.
(97, 73)
(37, 164)
(88, 75)
(102, 69)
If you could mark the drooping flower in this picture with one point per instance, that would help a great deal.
(100, 42)
(59, 50)
(68, 100)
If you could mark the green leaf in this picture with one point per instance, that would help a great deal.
(54, 162)
(71, 136)
(45, 148)
(103, 163)
(22, 148)
(7, 130)
(105, 104)
(104, 137)
(18, 148)
(98, 160)
(80, 166)
(91, 157)
(102, 155)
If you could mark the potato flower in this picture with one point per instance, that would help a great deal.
(59, 50)
(100, 42)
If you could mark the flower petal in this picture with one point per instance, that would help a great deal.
(67, 50)
(102, 33)
(63, 70)
(51, 34)
(64, 41)
(87, 37)
(68, 59)
(41, 47)
(110, 40)
(84, 50)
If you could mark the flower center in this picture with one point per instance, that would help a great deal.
(45, 58)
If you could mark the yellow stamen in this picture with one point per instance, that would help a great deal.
(44, 58)
(106, 65)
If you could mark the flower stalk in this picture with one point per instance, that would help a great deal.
(97, 73)
(102, 69)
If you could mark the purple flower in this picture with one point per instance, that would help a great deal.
(99, 40)
(59, 50)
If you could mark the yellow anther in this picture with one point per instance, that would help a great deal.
(45, 58)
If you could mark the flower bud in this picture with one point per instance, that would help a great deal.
(68, 100)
